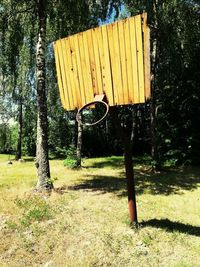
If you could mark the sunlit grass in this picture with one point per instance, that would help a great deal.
(85, 220)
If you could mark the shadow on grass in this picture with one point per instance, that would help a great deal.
(102, 184)
(165, 183)
(112, 162)
(117, 162)
(28, 159)
(171, 181)
(170, 226)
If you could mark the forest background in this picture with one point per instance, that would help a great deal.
(167, 129)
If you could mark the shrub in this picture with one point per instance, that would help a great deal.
(71, 160)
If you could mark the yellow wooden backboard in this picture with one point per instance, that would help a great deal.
(112, 59)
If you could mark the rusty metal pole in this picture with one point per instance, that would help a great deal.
(126, 141)
(130, 180)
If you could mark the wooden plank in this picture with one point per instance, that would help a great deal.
(75, 73)
(138, 28)
(113, 62)
(119, 88)
(146, 43)
(129, 62)
(107, 60)
(97, 62)
(123, 61)
(70, 74)
(79, 69)
(99, 38)
(83, 66)
(90, 93)
(67, 90)
(63, 73)
(59, 76)
(92, 61)
(135, 70)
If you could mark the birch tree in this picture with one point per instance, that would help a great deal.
(37, 23)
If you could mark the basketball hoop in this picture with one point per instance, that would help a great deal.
(92, 104)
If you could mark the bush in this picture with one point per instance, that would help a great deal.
(71, 160)
(70, 163)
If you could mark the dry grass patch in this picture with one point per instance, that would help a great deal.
(85, 221)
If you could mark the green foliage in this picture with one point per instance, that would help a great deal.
(176, 91)
(51, 180)
(19, 28)
(60, 152)
(175, 26)
(60, 134)
(29, 129)
(71, 160)
(70, 163)
(8, 138)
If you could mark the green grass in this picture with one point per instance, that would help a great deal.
(85, 221)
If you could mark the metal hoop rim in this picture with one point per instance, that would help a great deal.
(89, 104)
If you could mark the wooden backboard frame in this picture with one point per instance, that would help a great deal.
(113, 60)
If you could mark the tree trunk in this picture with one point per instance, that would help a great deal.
(79, 143)
(126, 142)
(133, 124)
(42, 161)
(19, 139)
(154, 139)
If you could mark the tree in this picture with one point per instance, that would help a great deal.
(79, 141)
(59, 18)
(42, 161)
(18, 154)
(175, 81)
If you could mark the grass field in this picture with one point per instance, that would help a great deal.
(85, 220)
